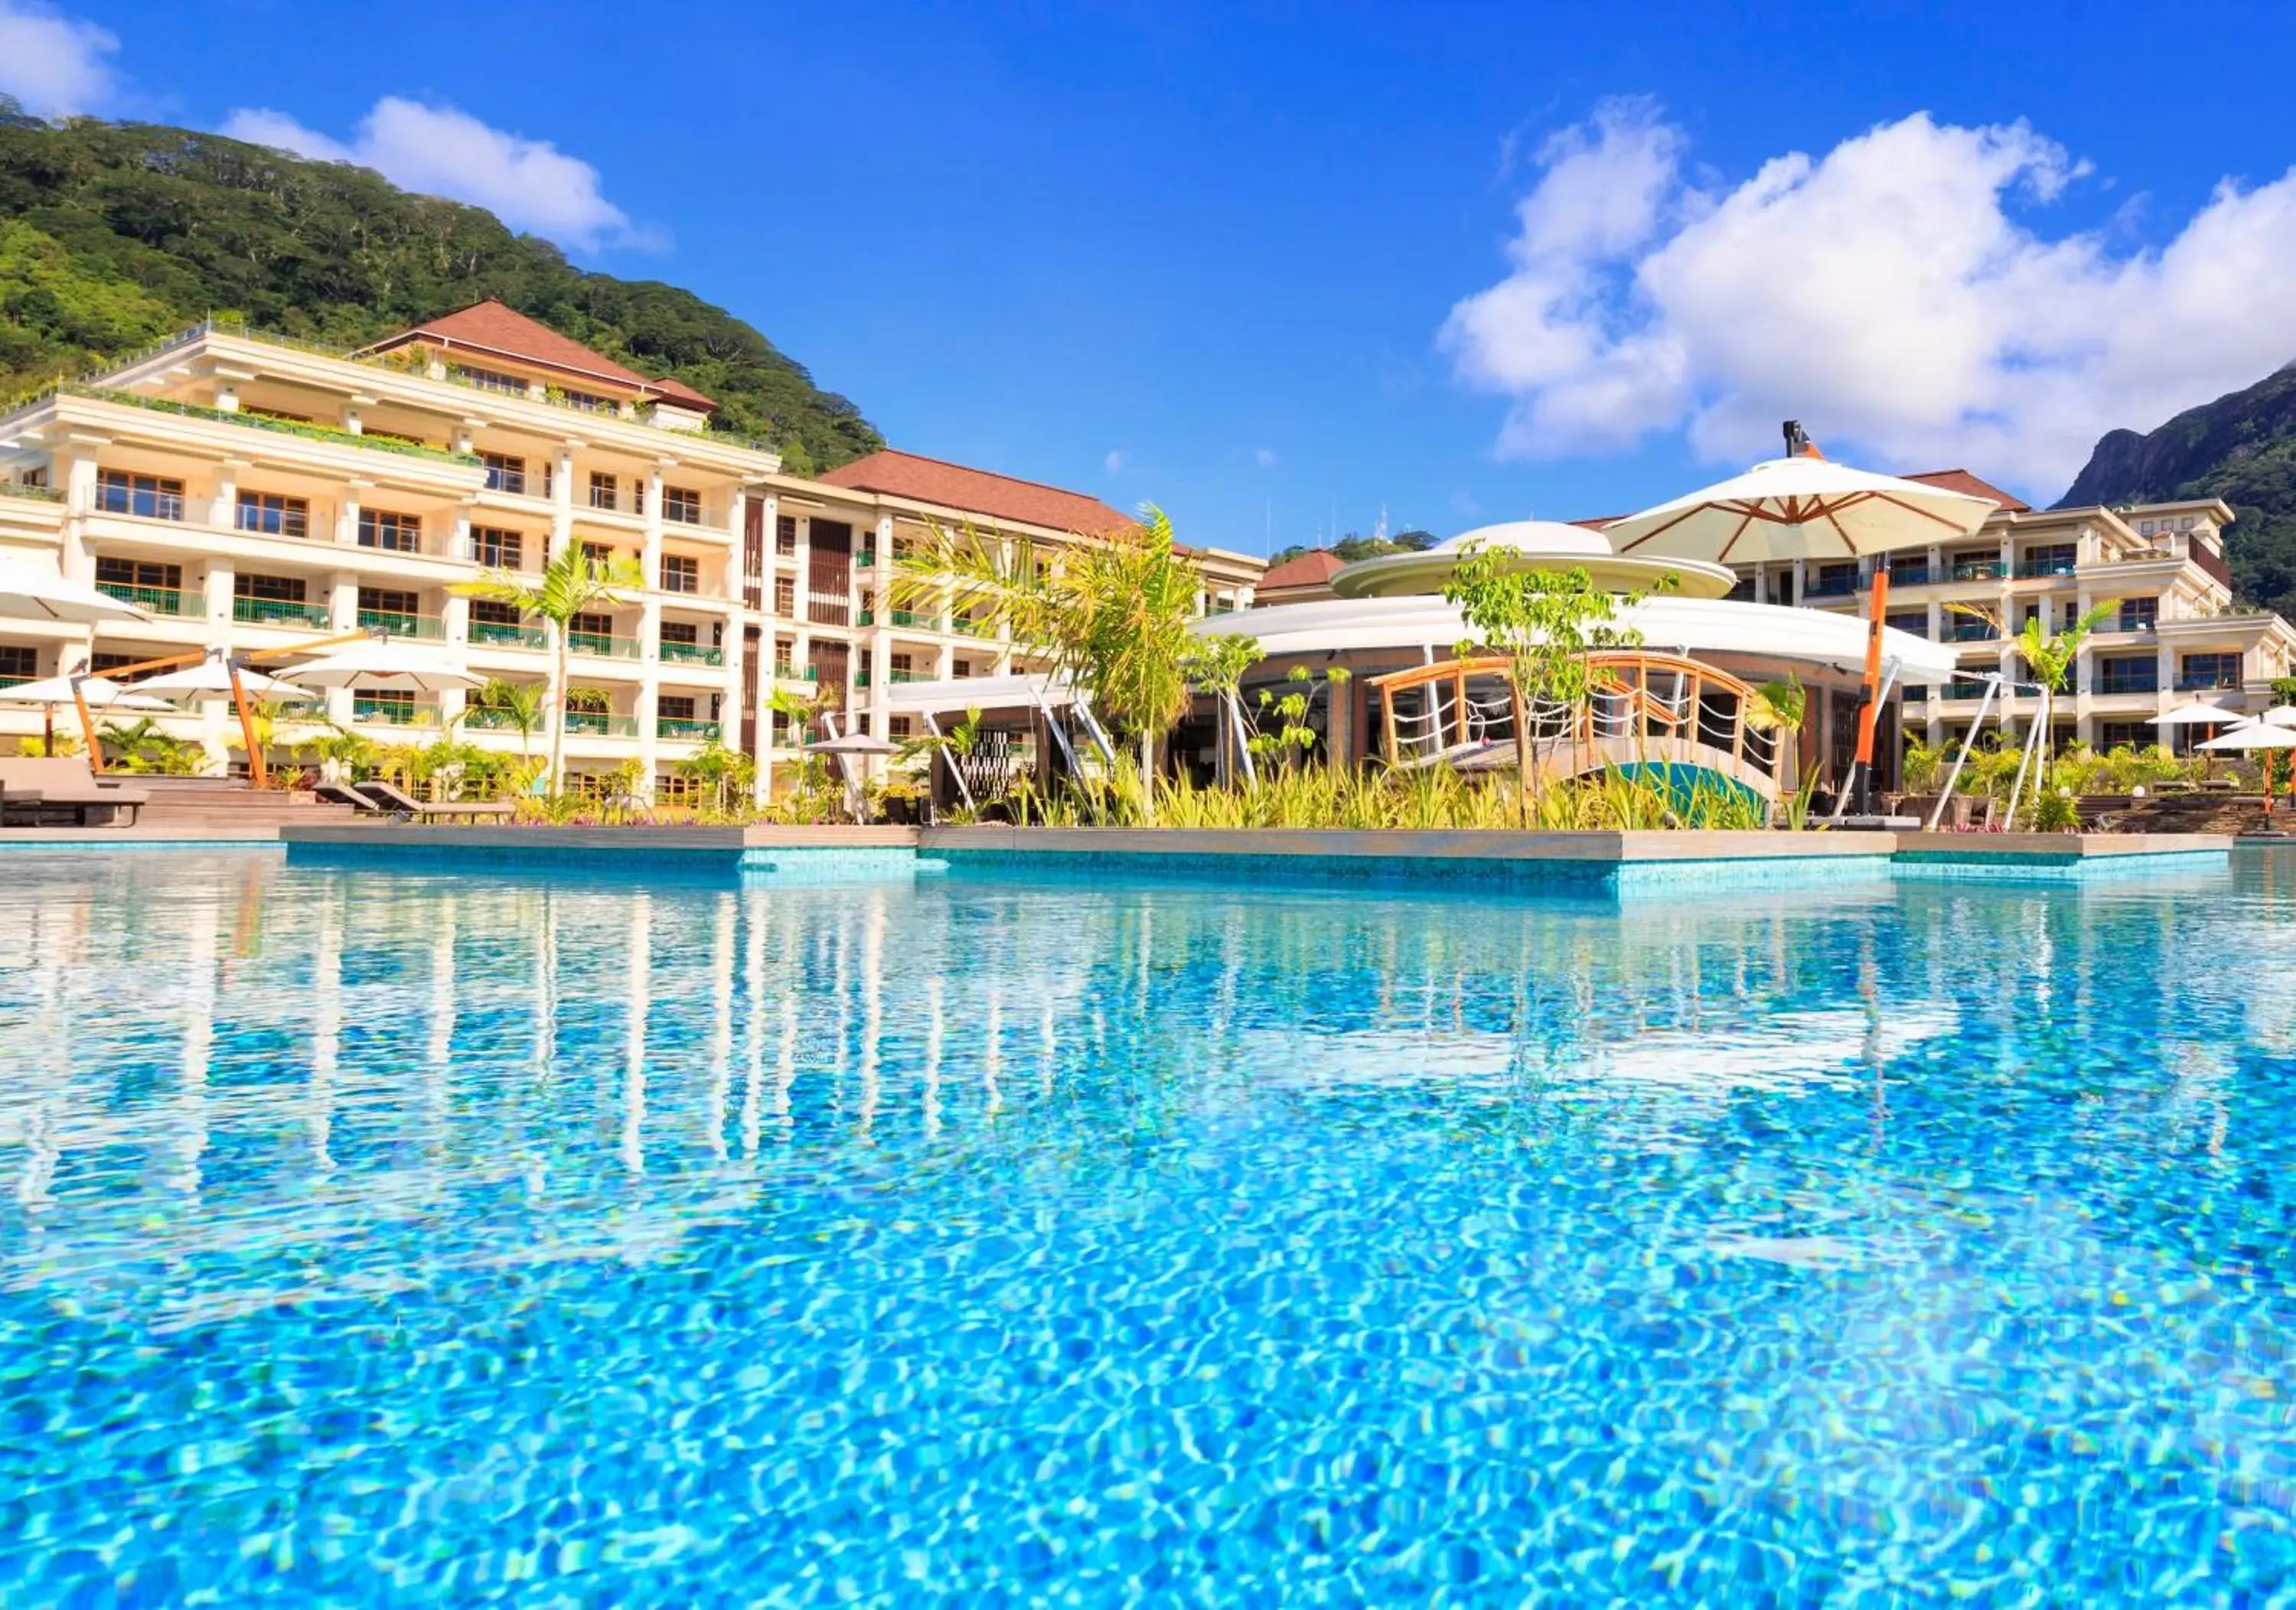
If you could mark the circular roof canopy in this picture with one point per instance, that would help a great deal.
(1532, 545)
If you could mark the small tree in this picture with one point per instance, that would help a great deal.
(1545, 624)
(2284, 689)
(519, 706)
(572, 583)
(1111, 612)
(1217, 665)
(1777, 708)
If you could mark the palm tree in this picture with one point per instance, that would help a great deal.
(1112, 612)
(572, 583)
(520, 705)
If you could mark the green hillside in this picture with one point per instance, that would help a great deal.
(2242, 448)
(113, 235)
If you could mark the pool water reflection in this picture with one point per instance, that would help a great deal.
(402, 1237)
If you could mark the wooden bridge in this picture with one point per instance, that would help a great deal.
(1647, 710)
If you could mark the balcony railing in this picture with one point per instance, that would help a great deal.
(257, 421)
(502, 634)
(26, 489)
(151, 600)
(785, 672)
(2205, 681)
(2144, 680)
(692, 654)
(143, 503)
(428, 627)
(891, 617)
(1830, 586)
(964, 625)
(1962, 688)
(279, 612)
(596, 723)
(1979, 569)
(594, 642)
(1911, 575)
(684, 729)
(866, 560)
(392, 712)
(492, 720)
(2027, 569)
(1970, 632)
(500, 477)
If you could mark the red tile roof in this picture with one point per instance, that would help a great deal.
(489, 326)
(1312, 568)
(999, 497)
(1961, 480)
(671, 389)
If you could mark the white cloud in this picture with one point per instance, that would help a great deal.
(55, 65)
(1891, 295)
(1466, 503)
(530, 184)
(1114, 461)
(1265, 458)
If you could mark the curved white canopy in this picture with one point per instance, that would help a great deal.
(2252, 735)
(1799, 508)
(211, 679)
(1686, 625)
(1534, 544)
(989, 692)
(2196, 715)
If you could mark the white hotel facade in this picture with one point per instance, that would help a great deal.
(249, 493)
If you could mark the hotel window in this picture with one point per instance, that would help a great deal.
(591, 632)
(18, 663)
(273, 515)
(896, 726)
(899, 662)
(2209, 670)
(488, 379)
(273, 589)
(1835, 580)
(505, 473)
(786, 534)
(784, 596)
(601, 554)
(2057, 558)
(486, 612)
(2126, 735)
(680, 573)
(682, 504)
(590, 402)
(674, 706)
(392, 606)
(395, 706)
(139, 573)
(152, 497)
(2127, 675)
(2139, 614)
(392, 533)
(681, 632)
(492, 545)
(2146, 528)
(962, 668)
(1915, 621)
(605, 491)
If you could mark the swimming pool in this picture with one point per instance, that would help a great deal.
(385, 1236)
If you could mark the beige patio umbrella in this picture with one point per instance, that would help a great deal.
(391, 666)
(216, 677)
(1803, 507)
(85, 691)
(30, 591)
(2256, 736)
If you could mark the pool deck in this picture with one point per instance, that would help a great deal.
(1648, 863)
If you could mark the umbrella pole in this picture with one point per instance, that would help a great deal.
(246, 726)
(49, 747)
(86, 730)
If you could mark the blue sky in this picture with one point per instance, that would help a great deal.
(1211, 257)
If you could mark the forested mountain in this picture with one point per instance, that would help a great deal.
(2242, 448)
(113, 235)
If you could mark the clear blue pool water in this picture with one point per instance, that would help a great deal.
(381, 1237)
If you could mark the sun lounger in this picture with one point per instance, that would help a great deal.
(385, 797)
(41, 784)
(339, 793)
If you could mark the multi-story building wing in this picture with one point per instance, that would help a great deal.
(250, 492)
(2175, 632)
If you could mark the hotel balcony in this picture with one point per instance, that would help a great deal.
(684, 729)
(675, 653)
(502, 634)
(290, 613)
(164, 602)
(395, 623)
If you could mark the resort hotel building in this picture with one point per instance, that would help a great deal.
(2177, 635)
(249, 492)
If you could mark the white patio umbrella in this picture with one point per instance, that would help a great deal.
(2252, 736)
(211, 678)
(2196, 715)
(29, 591)
(1803, 507)
(399, 666)
(845, 749)
(86, 692)
(2280, 715)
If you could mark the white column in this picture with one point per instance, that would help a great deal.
(561, 500)
(221, 582)
(223, 513)
(342, 616)
(80, 476)
(729, 702)
(347, 521)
